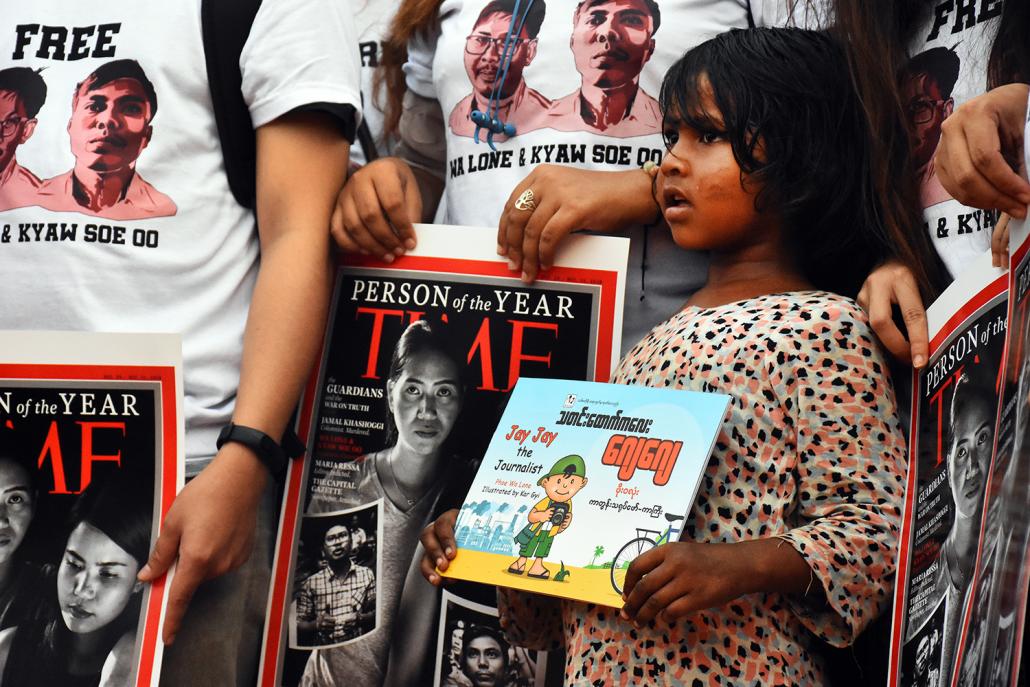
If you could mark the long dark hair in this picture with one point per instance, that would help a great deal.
(1010, 54)
(41, 645)
(799, 133)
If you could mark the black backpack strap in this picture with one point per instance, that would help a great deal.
(226, 25)
(750, 16)
(367, 141)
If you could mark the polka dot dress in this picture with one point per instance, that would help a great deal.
(811, 452)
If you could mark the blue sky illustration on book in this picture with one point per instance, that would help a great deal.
(506, 486)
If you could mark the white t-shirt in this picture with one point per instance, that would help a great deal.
(372, 22)
(953, 48)
(546, 108)
(174, 252)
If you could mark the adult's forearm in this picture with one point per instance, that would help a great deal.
(302, 161)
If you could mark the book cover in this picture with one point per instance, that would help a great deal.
(579, 479)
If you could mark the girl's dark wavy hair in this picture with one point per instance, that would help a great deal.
(799, 133)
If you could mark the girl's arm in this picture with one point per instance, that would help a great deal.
(531, 621)
(850, 473)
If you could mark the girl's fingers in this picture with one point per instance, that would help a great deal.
(428, 570)
(680, 608)
(655, 602)
(642, 565)
(913, 314)
(880, 319)
(434, 551)
(444, 529)
(641, 603)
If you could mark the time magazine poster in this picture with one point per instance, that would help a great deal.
(89, 464)
(418, 361)
(958, 428)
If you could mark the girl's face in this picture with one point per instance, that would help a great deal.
(970, 457)
(699, 188)
(425, 400)
(17, 507)
(96, 580)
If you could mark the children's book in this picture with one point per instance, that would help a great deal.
(579, 479)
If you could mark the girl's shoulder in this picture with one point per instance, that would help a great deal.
(801, 324)
(792, 309)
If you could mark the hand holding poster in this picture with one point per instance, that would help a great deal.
(418, 361)
(90, 461)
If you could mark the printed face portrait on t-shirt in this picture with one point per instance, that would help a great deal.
(612, 40)
(112, 111)
(110, 124)
(926, 91)
(483, 51)
(22, 92)
(498, 86)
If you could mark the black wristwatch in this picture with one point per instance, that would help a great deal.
(273, 455)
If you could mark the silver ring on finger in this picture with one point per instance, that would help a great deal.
(526, 201)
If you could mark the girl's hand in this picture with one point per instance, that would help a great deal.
(375, 210)
(981, 144)
(677, 579)
(568, 199)
(892, 283)
(440, 548)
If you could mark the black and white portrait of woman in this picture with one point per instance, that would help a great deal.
(82, 629)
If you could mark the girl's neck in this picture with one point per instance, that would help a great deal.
(751, 272)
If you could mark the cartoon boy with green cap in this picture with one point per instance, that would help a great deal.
(551, 516)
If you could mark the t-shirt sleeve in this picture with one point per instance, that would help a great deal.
(850, 472)
(418, 70)
(806, 14)
(300, 53)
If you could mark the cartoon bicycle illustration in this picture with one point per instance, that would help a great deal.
(645, 540)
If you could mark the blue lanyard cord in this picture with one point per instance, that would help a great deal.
(507, 54)
(488, 119)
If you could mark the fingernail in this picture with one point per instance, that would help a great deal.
(525, 277)
(398, 251)
(624, 615)
(512, 265)
(449, 551)
(433, 579)
(144, 573)
(388, 258)
(919, 361)
(440, 562)
(170, 639)
(410, 244)
(501, 250)
(363, 251)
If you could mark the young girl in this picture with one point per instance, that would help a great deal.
(793, 533)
